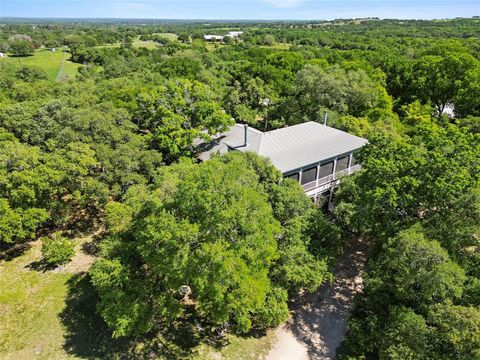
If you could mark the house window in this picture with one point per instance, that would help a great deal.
(309, 175)
(294, 176)
(325, 170)
(342, 163)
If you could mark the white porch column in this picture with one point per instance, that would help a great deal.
(318, 174)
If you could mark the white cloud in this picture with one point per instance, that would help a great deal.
(284, 3)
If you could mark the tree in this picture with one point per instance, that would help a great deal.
(179, 113)
(228, 40)
(212, 228)
(465, 100)
(183, 37)
(268, 40)
(438, 79)
(17, 225)
(456, 334)
(413, 271)
(425, 199)
(406, 336)
(31, 73)
(21, 45)
(57, 250)
(337, 90)
(408, 179)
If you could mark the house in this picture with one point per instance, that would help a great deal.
(315, 155)
(213, 37)
(2, 54)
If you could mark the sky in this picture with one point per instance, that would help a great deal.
(241, 9)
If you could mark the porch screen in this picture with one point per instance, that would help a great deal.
(294, 176)
(342, 163)
(309, 175)
(326, 169)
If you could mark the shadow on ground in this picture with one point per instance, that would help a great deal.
(9, 252)
(93, 247)
(87, 335)
(41, 266)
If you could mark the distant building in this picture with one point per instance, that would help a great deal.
(315, 155)
(234, 34)
(230, 34)
(213, 37)
(2, 54)
(449, 110)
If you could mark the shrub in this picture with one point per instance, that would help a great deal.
(57, 250)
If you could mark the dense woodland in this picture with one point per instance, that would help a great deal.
(113, 148)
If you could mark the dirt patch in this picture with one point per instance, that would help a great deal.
(319, 320)
(81, 261)
(83, 258)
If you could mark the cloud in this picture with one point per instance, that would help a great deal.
(284, 3)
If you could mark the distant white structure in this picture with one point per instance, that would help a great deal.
(53, 49)
(213, 37)
(234, 34)
(230, 34)
(2, 55)
(449, 110)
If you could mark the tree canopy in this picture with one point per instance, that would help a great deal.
(239, 244)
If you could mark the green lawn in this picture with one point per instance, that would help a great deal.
(50, 61)
(30, 302)
(51, 315)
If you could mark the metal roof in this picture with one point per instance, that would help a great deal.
(288, 148)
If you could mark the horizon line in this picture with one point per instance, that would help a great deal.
(474, 17)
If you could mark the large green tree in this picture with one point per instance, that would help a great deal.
(350, 92)
(438, 79)
(21, 45)
(210, 227)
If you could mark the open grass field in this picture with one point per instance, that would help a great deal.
(169, 36)
(50, 314)
(137, 43)
(212, 46)
(50, 61)
(280, 46)
(146, 44)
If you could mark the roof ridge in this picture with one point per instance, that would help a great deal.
(260, 141)
(292, 126)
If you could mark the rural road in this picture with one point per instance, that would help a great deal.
(319, 320)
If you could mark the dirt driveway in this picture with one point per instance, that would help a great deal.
(319, 320)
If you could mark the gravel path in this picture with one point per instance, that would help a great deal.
(319, 320)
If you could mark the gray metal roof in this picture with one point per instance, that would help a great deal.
(288, 148)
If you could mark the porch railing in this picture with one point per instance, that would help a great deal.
(329, 178)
